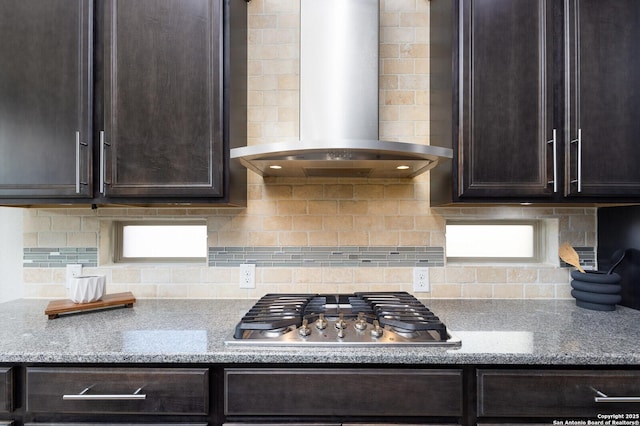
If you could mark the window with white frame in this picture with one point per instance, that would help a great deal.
(494, 241)
(151, 241)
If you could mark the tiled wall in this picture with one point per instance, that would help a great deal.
(59, 257)
(238, 231)
(317, 215)
(303, 257)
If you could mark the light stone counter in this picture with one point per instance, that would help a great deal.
(194, 331)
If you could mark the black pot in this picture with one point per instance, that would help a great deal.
(596, 290)
(599, 277)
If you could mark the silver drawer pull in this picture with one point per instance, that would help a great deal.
(84, 396)
(604, 398)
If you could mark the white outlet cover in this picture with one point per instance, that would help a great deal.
(421, 280)
(73, 270)
(248, 275)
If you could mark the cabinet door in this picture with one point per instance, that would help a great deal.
(603, 93)
(342, 392)
(576, 394)
(6, 390)
(160, 391)
(45, 98)
(506, 97)
(163, 118)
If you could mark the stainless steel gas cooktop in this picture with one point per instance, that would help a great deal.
(358, 319)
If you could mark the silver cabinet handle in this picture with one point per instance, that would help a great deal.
(579, 144)
(77, 162)
(103, 147)
(78, 145)
(84, 396)
(604, 398)
(553, 143)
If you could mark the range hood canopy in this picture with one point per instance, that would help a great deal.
(339, 104)
(341, 158)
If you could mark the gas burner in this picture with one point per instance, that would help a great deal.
(408, 334)
(358, 319)
(275, 332)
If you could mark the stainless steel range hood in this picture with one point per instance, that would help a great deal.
(339, 103)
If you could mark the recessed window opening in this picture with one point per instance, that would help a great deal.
(495, 241)
(161, 242)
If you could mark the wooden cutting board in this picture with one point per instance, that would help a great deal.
(57, 307)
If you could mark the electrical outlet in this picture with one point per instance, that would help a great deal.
(421, 280)
(248, 275)
(73, 270)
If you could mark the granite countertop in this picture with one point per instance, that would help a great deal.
(535, 332)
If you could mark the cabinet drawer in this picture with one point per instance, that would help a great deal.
(343, 392)
(6, 390)
(118, 390)
(551, 393)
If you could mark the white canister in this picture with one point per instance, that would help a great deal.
(87, 289)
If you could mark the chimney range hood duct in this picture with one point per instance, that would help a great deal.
(339, 104)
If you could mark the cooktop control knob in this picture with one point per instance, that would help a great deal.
(341, 323)
(304, 329)
(321, 323)
(377, 331)
(361, 323)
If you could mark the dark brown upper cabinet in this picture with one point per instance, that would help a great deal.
(538, 100)
(166, 100)
(45, 98)
(506, 112)
(603, 91)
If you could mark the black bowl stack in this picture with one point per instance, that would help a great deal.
(595, 290)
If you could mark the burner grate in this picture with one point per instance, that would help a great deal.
(403, 311)
(399, 311)
(274, 311)
(350, 306)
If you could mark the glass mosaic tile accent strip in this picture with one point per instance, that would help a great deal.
(59, 257)
(587, 258)
(327, 256)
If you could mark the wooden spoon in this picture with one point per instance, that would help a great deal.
(569, 255)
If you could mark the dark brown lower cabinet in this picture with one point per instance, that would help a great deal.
(6, 390)
(559, 394)
(383, 394)
(103, 395)
(341, 395)
(288, 424)
(6, 394)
